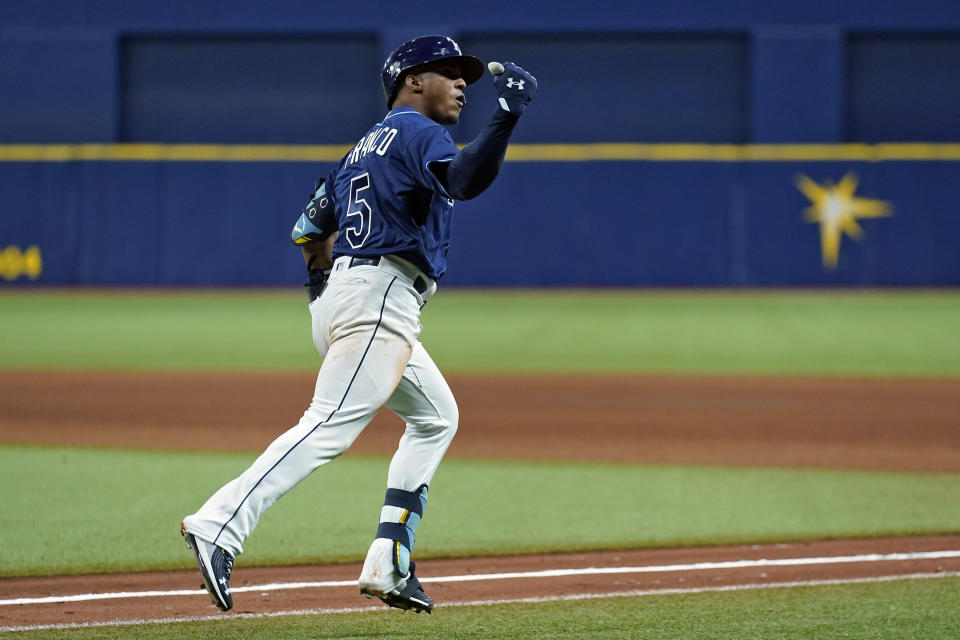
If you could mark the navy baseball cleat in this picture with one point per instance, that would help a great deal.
(215, 566)
(411, 597)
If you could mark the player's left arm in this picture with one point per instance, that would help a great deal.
(478, 164)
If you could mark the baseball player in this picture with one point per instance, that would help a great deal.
(375, 236)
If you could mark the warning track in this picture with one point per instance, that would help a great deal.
(124, 599)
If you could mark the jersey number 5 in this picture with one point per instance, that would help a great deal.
(358, 232)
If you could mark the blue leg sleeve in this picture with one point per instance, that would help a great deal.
(399, 519)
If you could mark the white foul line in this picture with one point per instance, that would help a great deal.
(550, 573)
(478, 603)
(702, 566)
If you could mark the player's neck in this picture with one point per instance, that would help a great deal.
(414, 101)
(411, 102)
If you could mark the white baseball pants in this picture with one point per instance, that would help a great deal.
(366, 326)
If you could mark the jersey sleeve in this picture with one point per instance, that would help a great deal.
(431, 145)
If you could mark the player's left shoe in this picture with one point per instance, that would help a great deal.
(215, 565)
(411, 597)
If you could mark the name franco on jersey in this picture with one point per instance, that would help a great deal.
(372, 141)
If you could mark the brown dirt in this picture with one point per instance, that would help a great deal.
(833, 423)
(272, 600)
(784, 422)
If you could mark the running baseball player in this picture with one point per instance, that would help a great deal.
(375, 236)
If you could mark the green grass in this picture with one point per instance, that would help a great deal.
(925, 609)
(87, 510)
(852, 333)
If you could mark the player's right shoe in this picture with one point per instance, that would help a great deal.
(410, 597)
(380, 579)
(215, 565)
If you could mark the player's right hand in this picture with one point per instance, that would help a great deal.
(515, 88)
(316, 281)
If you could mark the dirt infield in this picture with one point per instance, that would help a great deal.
(872, 424)
(784, 422)
(259, 591)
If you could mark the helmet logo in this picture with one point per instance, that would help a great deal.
(515, 84)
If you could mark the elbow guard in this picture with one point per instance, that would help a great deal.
(318, 219)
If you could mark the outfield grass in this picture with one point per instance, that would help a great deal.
(86, 510)
(853, 333)
(876, 611)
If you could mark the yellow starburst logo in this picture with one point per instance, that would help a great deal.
(837, 210)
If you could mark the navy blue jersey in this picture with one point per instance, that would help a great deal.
(386, 198)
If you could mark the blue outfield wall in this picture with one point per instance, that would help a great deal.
(597, 190)
(244, 71)
(555, 223)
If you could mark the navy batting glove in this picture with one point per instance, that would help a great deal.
(316, 281)
(515, 88)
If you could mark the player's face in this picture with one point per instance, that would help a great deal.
(443, 97)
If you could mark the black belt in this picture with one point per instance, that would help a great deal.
(360, 262)
(420, 283)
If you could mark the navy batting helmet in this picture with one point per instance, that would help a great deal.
(420, 51)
